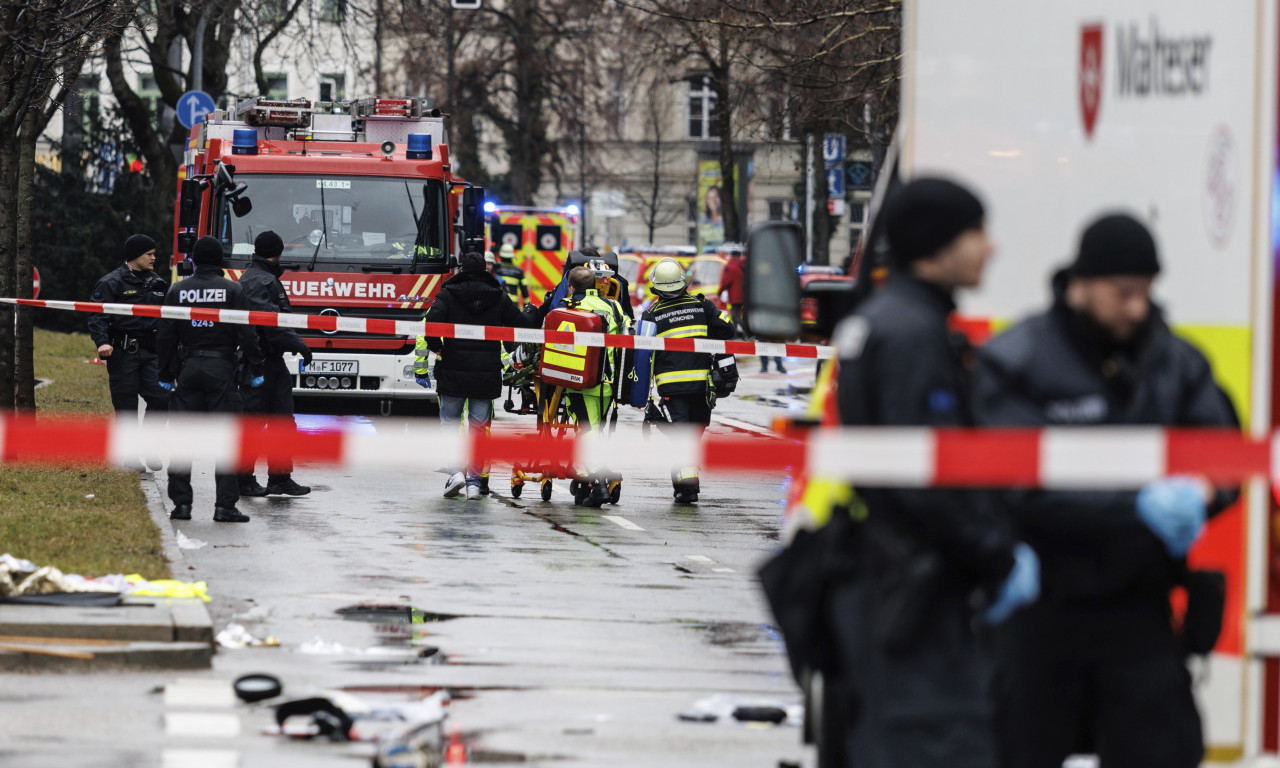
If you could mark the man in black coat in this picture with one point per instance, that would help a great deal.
(1096, 666)
(128, 343)
(468, 372)
(912, 670)
(198, 365)
(265, 293)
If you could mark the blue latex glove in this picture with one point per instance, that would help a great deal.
(257, 381)
(1174, 509)
(168, 385)
(1020, 588)
(424, 382)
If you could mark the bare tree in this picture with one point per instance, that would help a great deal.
(711, 36)
(43, 46)
(650, 198)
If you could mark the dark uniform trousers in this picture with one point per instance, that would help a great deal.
(131, 374)
(206, 384)
(274, 398)
(688, 409)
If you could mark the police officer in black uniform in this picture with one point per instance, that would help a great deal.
(683, 379)
(198, 364)
(265, 293)
(1096, 666)
(912, 672)
(128, 343)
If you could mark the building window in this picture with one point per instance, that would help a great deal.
(778, 108)
(333, 86)
(782, 210)
(702, 108)
(333, 10)
(277, 85)
(149, 92)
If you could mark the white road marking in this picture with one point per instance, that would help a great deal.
(723, 570)
(189, 692)
(622, 521)
(747, 426)
(202, 724)
(200, 758)
(699, 558)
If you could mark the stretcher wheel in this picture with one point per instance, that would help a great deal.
(546, 490)
(580, 491)
(517, 487)
(615, 491)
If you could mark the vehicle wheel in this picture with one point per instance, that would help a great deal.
(546, 490)
(516, 490)
(615, 492)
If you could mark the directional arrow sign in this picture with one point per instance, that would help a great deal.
(193, 106)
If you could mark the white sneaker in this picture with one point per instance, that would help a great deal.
(473, 493)
(453, 486)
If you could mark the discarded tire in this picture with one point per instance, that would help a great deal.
(257, 687)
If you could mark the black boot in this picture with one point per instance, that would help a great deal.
(283, 485)
(229, 515)
(484, 486)
(180, 512)
(598, 495)
(686, 497)
(249, 486)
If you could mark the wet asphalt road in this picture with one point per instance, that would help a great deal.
(566, 635)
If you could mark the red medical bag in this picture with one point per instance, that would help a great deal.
(566, 365)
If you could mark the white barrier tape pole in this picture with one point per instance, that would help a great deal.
(413, 328)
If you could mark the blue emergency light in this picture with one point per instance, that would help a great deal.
(419, 146)
(490, 206)
(244, 142)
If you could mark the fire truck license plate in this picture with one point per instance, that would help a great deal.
(348, 367)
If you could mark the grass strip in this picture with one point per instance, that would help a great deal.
(84, 520)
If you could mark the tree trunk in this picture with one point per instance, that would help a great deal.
(724, 124)
(8, 271)
(24, 358)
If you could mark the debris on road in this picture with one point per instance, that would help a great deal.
(725, 707)
(236, 636)
(186, 542)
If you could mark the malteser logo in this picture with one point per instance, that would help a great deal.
(1090, 75)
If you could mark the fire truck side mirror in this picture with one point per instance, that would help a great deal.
(189, 207)
(771, 283)
(473, 213)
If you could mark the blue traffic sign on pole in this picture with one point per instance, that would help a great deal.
(193, 106)
(833, 148)
(835, 182)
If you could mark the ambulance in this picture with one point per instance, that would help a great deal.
(371, 215)
(541, 237)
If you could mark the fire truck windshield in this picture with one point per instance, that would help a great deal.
(339, 219)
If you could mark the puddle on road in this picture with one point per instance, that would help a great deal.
(754, 639)
(399, 626)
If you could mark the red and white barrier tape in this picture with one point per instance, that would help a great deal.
(443, 330)
(905, 457)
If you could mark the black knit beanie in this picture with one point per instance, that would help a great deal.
(137, 245)
(471, 262)
(1116, 244)
(268, 245)
(925, 215)
(207, 251)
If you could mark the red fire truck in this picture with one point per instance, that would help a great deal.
(370, 213)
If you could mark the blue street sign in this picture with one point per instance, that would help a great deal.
(833, 148)
(193, 106)
(835, 182)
